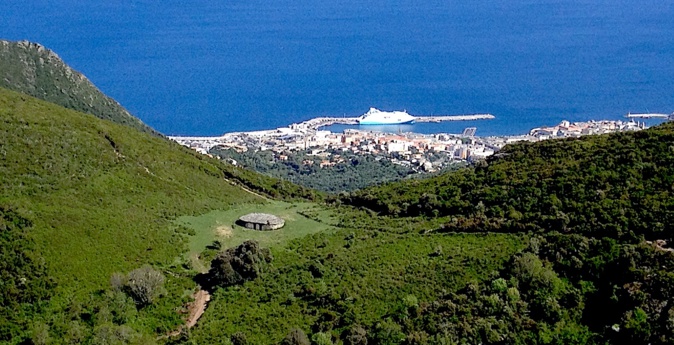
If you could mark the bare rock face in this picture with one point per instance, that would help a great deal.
(32, 69)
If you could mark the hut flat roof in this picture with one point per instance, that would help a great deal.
(261, 218)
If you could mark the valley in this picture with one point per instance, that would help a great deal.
(109, 232)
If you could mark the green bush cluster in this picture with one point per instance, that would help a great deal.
(614, 185)
(25, 284)
(236, 265)
(340, 285)
(355, 172)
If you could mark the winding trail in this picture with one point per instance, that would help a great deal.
(195, 310)
(246, 189)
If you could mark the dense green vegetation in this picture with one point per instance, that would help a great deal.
(329, 282)
(612, 185)
(83, 199)
(564, 289)
(600, 273)
(34, 70)
(24, 281)
(350, 171)
(585, 207)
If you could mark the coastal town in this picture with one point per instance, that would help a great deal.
(426, 152)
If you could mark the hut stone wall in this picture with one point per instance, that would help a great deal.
(261, 221)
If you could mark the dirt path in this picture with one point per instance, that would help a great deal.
(233, 183)
(195, 310)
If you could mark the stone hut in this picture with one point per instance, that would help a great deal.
(261, 221)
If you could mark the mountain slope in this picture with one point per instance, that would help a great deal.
(597, 266)
(94, 198)
(32, 69)
(83, 199)
(617, 185)
(599, 269)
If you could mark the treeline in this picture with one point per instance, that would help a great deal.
(615, 185)
(354, 172)
(563, 289)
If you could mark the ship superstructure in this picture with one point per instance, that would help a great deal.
(375, 116)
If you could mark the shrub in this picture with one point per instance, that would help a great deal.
(499, 285)
(117, 281)
(321, 338)
(388, 332)
(239, 338)
(356, 335)
(296, 337)
(238, 264)
(144, 285)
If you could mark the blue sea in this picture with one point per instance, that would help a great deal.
(206, 67)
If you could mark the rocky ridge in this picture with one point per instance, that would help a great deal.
(33, 69)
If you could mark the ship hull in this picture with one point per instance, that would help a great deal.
(385, 122)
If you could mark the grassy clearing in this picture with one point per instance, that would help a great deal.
(100, 198)
(220, 225)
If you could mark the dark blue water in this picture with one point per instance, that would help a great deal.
(207, 67)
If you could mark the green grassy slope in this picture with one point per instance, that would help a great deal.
(221, 226)
(34, 70)
(91, 185)
(100, 198)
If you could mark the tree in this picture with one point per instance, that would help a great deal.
(388, 332)
(144, 285)
(356, 335)
(239, 338)
(238, 264)
(321, 338)
(296, 337)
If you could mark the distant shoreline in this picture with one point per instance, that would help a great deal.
(319, 123)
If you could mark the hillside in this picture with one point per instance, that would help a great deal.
(105, 233)
(617, 186)
(35, 70)
(83, 198)
(598, 268)
(557, 242)
(89, 207)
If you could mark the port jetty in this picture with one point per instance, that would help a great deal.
(650, 116)
(318, 122)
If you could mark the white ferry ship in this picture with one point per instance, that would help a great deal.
(377, 117)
